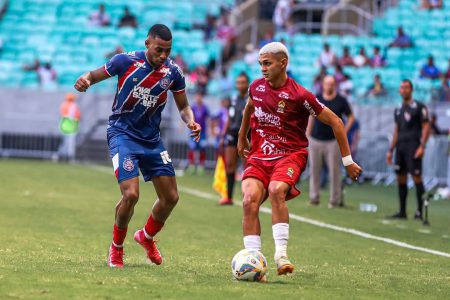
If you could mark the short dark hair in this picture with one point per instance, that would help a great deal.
(161, 31)
(410, 83)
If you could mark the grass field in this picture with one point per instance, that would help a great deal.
(56, 222)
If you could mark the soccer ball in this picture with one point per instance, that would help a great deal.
(249, 265)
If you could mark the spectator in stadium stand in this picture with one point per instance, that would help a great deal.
(409, 141)
(327, 58)
(377, 88)
(99, 17)
(128, 19)
(377, 60)
(281, 14)
(346, 59)
(199, 78)
(226, 34)
(346, 87)
(402, 40)
(361, 59)
(178, 59)
(338, 74)
(429, 70)
(431, 4)
(209, 27)
(444, 90)
(119, 49)
(268, 38)
(197, 150)
(251, 54)
(447, 73)
(32, 67)
(323, 144)
(46, 74)
(317, 84)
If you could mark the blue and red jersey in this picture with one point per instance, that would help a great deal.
(141, 93)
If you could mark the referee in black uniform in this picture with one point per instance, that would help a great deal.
(410, 136)
(231, 132)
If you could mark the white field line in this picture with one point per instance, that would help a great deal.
(266, 210)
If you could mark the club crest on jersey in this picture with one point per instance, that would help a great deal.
(164, 83)
(283, 95)
(261, 88)
(256, 98)
(128, 165)
(281, 106)
(407, 116)
(290, 172)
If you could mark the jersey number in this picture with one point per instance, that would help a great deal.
(165, 157)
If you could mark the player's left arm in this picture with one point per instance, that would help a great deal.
(420, 151)
(187, 115)
(331, 119)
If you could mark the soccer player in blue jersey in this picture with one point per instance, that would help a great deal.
(133, 133)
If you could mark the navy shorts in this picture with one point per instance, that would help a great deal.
(130, 155)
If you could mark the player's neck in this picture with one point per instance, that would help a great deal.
(408, 100)
(278, 82)
(147, 57)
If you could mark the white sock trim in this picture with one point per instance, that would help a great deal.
(117, 246)
(252, 242)
(148, 237)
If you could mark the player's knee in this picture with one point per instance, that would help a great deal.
(130, 197)
(250, 207)
(172, 199)
(417, 179)
(277, 191)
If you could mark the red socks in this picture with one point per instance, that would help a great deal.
(152, 227)
(119, 235)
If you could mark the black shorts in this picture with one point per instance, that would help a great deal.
(405, 161)
(231, 138)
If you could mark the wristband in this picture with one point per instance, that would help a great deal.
(347, 161)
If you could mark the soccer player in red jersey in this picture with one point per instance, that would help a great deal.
(134, 140)
(277, 113)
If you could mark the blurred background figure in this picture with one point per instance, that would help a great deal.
(100, 17)
(197, 151)
(70, 116)
(128, 19)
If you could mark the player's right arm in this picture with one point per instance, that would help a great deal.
(90, 78)
(392, 146)
(243, 146)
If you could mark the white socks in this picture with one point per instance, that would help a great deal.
(252, 242)
(281, 237)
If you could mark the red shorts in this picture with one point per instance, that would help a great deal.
(286, 169)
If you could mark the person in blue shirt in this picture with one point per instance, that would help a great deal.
(133, 133)
(430, 71)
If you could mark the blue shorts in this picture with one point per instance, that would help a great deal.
(200, 145)
(129, 155)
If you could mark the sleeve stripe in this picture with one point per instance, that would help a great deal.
(179, 91)
(106, 71)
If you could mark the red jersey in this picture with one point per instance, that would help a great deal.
(278, 125)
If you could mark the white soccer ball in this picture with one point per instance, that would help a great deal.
(249, 265)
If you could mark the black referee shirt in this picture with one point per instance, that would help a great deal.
(409, 118)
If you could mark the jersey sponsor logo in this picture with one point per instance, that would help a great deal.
(424, 113)
(266, 118)
(267, 147)
(131, 53)
(135, 79)
(143, 94)
(310, 109)
(178, 68)
(290, 172)
(283, 95)
(164, 83)
(165, 71)
(261, 88)
(128, 164)
(256, 98)
(271, 137)
(281, 106)
(139, 65)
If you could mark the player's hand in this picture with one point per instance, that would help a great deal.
(196, 130)
(419, 152)
(243, 147)
(82, 84)
(353, 171)
(389, 158)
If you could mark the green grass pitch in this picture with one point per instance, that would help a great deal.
(56, 226)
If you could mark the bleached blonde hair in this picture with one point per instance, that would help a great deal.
(274, 47)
